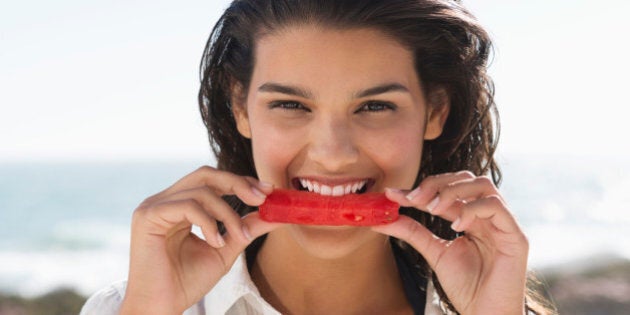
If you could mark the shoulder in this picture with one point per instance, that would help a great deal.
(106, 301)
(229, 293)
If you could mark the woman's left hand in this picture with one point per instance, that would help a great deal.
(482, 272)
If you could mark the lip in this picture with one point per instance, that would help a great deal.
(334, 182)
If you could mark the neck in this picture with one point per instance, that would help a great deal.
(296, 282)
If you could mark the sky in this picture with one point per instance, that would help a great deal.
(118, 80)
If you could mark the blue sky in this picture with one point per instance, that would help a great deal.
(118, 79)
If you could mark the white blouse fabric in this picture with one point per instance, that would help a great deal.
(234, 294)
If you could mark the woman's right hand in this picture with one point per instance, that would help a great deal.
(171, 268)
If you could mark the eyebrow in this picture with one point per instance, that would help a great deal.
(381, 89)
(285, 89)
(272, 87)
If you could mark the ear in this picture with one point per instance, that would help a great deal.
(438, 108)
(239, 110)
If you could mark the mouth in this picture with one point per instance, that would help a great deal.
(340, 189)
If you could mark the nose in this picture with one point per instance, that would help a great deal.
(332, 145)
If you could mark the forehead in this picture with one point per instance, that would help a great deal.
(322, 57)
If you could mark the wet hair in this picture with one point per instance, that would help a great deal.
(451, 53)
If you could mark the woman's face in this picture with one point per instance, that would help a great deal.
(336, 111)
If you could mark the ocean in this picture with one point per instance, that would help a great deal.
(66, 224)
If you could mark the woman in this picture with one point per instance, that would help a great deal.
(384, 96)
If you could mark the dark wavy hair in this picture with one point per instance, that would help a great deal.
(451, 52)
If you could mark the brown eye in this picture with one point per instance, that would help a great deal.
(288, 105)
(376, 107)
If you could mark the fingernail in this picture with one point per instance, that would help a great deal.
(265, 185)
(258, 193)
(455, 224)
(413, 194)
(220, 240)
(431, 206)
(248, 235)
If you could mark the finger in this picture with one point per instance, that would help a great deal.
(265, 187)
(215, 207)
(465, 190)
(491, 208)
(248, 189)
(168, 217)
(255, 227)
(400, 196)
(423, 195)
(418, 236)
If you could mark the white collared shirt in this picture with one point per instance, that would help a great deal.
(234, 294)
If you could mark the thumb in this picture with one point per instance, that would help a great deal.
(253, 227)
(417, 235)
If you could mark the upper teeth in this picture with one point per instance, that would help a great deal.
(338, 190)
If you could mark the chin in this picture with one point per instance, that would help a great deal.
(333, 242)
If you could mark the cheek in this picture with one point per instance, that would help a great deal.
(398, 153)
(273, 151)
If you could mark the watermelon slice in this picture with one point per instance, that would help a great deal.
(303, 207)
